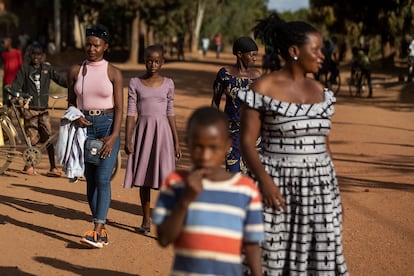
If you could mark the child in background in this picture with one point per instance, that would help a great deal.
(205, 44)
(34, 79)
(12, 61)
(151, 141)
(209, 214)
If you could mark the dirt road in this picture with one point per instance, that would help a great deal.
(372, 142)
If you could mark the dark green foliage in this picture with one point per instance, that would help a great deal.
(232, 18)
(390, 20)
(8, 23)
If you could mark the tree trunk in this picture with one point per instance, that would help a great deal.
(201, 7)
(133, 53)
(150, 35)
(56, 16)
(142, 40)
(78, 33)
(388, 54)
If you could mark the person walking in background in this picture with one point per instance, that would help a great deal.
(12, 61)
(24, 39)
(205, 44)
(361, 61)
(34, 79)
(294, 170)
(410, 61)
(180, 46)
(151, 141)
(228, 81)
(217, 42)
(209, 214)
(95, 88)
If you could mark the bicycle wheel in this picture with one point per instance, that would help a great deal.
(7, 146)
(354, 84)
(117, 166)
(363, 86)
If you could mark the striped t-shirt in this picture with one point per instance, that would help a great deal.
(223, 216)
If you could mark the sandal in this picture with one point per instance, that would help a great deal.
(54, 173)
(29, 171)
(143, 230)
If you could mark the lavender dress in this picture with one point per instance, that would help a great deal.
(153, 158)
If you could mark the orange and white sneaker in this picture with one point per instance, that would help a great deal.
(92, 239)
(104, 237)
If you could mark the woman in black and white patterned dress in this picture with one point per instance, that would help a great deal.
(294, 170)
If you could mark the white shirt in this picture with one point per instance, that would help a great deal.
(411, 48)
(70, 144)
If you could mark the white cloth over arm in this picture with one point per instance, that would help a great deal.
(70, 145)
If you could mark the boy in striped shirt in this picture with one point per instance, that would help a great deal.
(210, 215)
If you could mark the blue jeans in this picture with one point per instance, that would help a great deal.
(98, 177)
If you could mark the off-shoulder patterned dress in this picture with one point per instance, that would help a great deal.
(306, 238)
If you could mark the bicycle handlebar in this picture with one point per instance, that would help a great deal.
(17, 93)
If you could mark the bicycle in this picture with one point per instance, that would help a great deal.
(11, 143)
(7, 140)
(359, 82)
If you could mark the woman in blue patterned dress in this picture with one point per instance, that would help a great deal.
(294, 170)
(228, 81)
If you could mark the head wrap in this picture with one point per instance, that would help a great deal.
(244, 44)
(99, 31)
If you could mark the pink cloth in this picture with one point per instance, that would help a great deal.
(154, 157)
(12, 61)
(217, 39)
(97, 87)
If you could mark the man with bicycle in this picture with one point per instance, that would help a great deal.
(361, 60)
(34, 79)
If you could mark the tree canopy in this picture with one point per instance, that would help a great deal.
(137, 23)
(389, 20)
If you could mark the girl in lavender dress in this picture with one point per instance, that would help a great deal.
(151, 140)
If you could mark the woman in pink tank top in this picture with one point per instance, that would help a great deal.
(95, 87)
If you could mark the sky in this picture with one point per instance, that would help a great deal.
(285, 5)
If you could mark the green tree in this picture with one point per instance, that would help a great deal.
(233, 18)
(390, 20)
(8, 23)
(135, 24)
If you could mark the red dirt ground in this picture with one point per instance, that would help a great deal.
(372, 140)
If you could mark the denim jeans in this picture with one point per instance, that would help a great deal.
(98, 177)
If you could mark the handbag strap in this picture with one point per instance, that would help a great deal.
(84, 71)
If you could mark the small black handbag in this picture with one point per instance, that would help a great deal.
(92, 151)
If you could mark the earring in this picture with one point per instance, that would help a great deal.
(295, 58)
